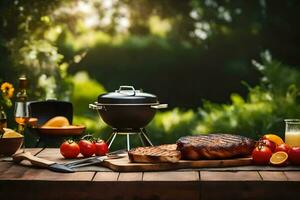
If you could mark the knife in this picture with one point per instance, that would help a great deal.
(40, 162)
(95, 160)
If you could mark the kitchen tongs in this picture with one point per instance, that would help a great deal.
(95, 160)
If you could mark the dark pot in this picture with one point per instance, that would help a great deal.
(127, 108)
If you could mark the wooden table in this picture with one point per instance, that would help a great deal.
(19, 182)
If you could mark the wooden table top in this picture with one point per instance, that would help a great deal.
(23, 182)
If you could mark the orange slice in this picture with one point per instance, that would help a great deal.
(279, 158)
(274, 138)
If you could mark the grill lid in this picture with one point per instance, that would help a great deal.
(127, 95)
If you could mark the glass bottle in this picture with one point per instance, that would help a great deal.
(21, 109)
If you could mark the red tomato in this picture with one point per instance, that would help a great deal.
(69, 149)
(101, 148)
(283, 147)
(87, 148)
(294, 155)
(269, 144)
(261, 155)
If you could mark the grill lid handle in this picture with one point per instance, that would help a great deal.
(126, 88)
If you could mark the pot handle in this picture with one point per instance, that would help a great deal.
(160, 106)
(127, 88)
(95, 107)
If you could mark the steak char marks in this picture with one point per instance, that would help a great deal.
(214, 146)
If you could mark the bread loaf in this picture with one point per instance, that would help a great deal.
(58, 121)
(155, 154)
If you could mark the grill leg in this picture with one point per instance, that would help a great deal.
(128, 142)
(111, 135)
(140, 136)
(143, 132)
(113, 138)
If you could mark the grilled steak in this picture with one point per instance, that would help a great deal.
(214, 146)
(155, 154)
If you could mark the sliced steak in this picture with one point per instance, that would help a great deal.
(214, 146)
(155, 154)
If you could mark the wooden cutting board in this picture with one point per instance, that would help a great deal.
(124, 165)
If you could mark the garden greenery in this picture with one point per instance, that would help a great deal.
(52, 41)
(263, 111)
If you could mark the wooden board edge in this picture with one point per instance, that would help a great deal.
(176, 166)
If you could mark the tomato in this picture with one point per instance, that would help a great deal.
(87, 148)
(294, 155)
(101, 148)
(69, 149)
(270, 144)
(261, 155)
(283, 147)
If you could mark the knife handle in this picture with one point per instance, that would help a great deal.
(39, 162)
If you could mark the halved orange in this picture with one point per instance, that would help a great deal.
(274, 138)
(279, 158)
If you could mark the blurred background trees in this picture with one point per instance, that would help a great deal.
(196, 49)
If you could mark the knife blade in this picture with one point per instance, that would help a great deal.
(40, 162)
(95, 160)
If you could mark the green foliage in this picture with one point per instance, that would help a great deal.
(267, 105)
(85, 91)
(263, 111)
(168, 126)
(177, 42)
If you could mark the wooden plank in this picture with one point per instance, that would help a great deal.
(272, 176)
(44, 174)
(4, 166)
(124, 165)
(293, 176)
(246, 185)
(130, 176)
(99, 190)
(13, 171)
(47, 190)
(106, 176)
(18, 172)
(230, 176)
(249, 190)
(52, 154)
(21, 172)
(171, 176)
(131, 186)
(34, 151)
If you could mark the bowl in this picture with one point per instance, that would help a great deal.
(9, 146)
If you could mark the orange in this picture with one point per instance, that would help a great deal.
(279, 158)
(274, 138)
